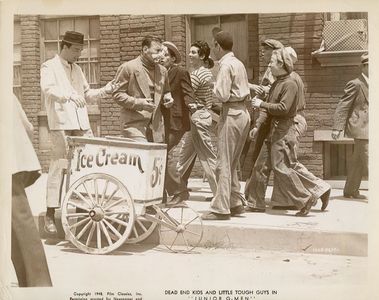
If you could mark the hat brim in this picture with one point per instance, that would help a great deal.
(73, 43)
(177, 55)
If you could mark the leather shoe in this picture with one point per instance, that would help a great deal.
(255, 209)
(307, 207)
(49, 226)
(355, 196)
(288, 207)
(237, 210)
(212, 216)
(325, 199)
(178, 199)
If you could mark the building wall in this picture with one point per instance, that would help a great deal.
(121, 37)
(30, 74)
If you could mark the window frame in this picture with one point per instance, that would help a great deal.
(87, 44)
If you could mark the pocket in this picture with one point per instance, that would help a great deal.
(234, 112)
(201, 114)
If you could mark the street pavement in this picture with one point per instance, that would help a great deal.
(341, 229)
(153, 271)
(272, 255)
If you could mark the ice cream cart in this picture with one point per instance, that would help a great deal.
(113, 195)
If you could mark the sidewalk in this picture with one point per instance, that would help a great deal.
(342, 229)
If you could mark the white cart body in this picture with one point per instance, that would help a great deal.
(139, 166)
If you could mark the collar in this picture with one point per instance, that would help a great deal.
(226, 56)
(365, 77)
(148, 65)
(282, 77)
(64, 62)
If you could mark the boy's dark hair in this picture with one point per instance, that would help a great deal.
(63, 43)
(148, 39)
(225, 40)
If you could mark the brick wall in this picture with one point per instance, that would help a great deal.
(30, 72)
(110, 60)
(133, 28)
(121, 37)
(175, 32)
(324, 85)
(254, 54)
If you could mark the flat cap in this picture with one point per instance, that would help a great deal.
(292, 54)
(286, 58)
(274, 44)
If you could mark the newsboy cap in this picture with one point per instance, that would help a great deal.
(364, 59)
(73, 37)
(274, 44)
(292, 54)
(174, 50)
(285, 58)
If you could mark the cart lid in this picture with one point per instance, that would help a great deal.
(116, 142)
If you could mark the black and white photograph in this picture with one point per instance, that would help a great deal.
(188, 151)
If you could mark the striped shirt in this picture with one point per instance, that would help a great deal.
(200, 80)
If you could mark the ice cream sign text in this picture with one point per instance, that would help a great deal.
(103, 158)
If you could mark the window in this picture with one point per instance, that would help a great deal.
(52, 31)
(17, 60)
(344, 39)
(337, 16)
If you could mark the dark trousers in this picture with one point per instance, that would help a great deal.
(174, 183)
(28, 255)
(256, 185)
(358, 167)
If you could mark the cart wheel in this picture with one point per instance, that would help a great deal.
(181, 229)
(142, 229)
(97, 213)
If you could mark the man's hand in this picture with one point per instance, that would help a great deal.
(259, 90)
(78, 100)
(256, 88)
(192, 107)
(336, 134)
(256, 102)
(111, 86)
(148, 104)
(168, 101)
(253, 133)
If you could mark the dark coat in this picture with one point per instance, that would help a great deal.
(351, 113)
(177, 117)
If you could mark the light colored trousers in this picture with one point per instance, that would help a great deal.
(58, 151)
(233, 129)
(198, 142)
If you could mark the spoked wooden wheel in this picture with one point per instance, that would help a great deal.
(181, 228)
(97, 213)
(142, 229)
